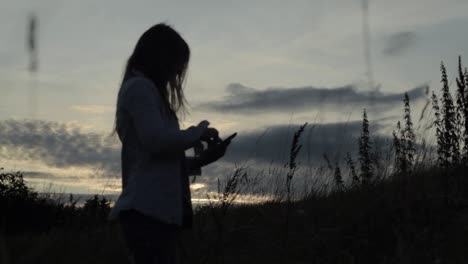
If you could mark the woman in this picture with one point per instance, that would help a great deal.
(155, 199)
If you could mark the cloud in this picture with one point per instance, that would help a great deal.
(62, 146)
(273, 143)
(49, 176)
(93, 109)
(398, 42)
(242, 99)
(58, 145)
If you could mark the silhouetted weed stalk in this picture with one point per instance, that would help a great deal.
(404, 142)
(352, 170)
(292, 164)
(220, 203)
(365, 147)
(292, 168)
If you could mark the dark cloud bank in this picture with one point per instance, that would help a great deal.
(273, 144)
(242, 99)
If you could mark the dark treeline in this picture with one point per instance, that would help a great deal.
(24, 210)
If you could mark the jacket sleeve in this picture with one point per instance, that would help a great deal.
(144, 106)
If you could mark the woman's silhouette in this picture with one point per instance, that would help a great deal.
(155, 200)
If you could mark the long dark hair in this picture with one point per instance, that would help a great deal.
(162, 55)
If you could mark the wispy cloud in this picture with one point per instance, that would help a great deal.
(242, 99)
(58, 145)
(49, 176)
(93, 109)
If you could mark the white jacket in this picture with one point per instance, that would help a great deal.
(154, 170)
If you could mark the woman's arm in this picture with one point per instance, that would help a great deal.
(208, 156)
(144, 106)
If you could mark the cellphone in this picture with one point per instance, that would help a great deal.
(228, 139)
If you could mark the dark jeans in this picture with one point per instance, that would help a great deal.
(150, 241)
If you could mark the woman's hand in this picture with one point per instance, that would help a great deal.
(202, 128)
(203, 125)
(214, 152)
(211, 136)
(216, 147)
(208, 134)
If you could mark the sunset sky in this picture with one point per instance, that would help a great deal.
(258, 68)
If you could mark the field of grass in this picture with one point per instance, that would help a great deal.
(411, 221)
